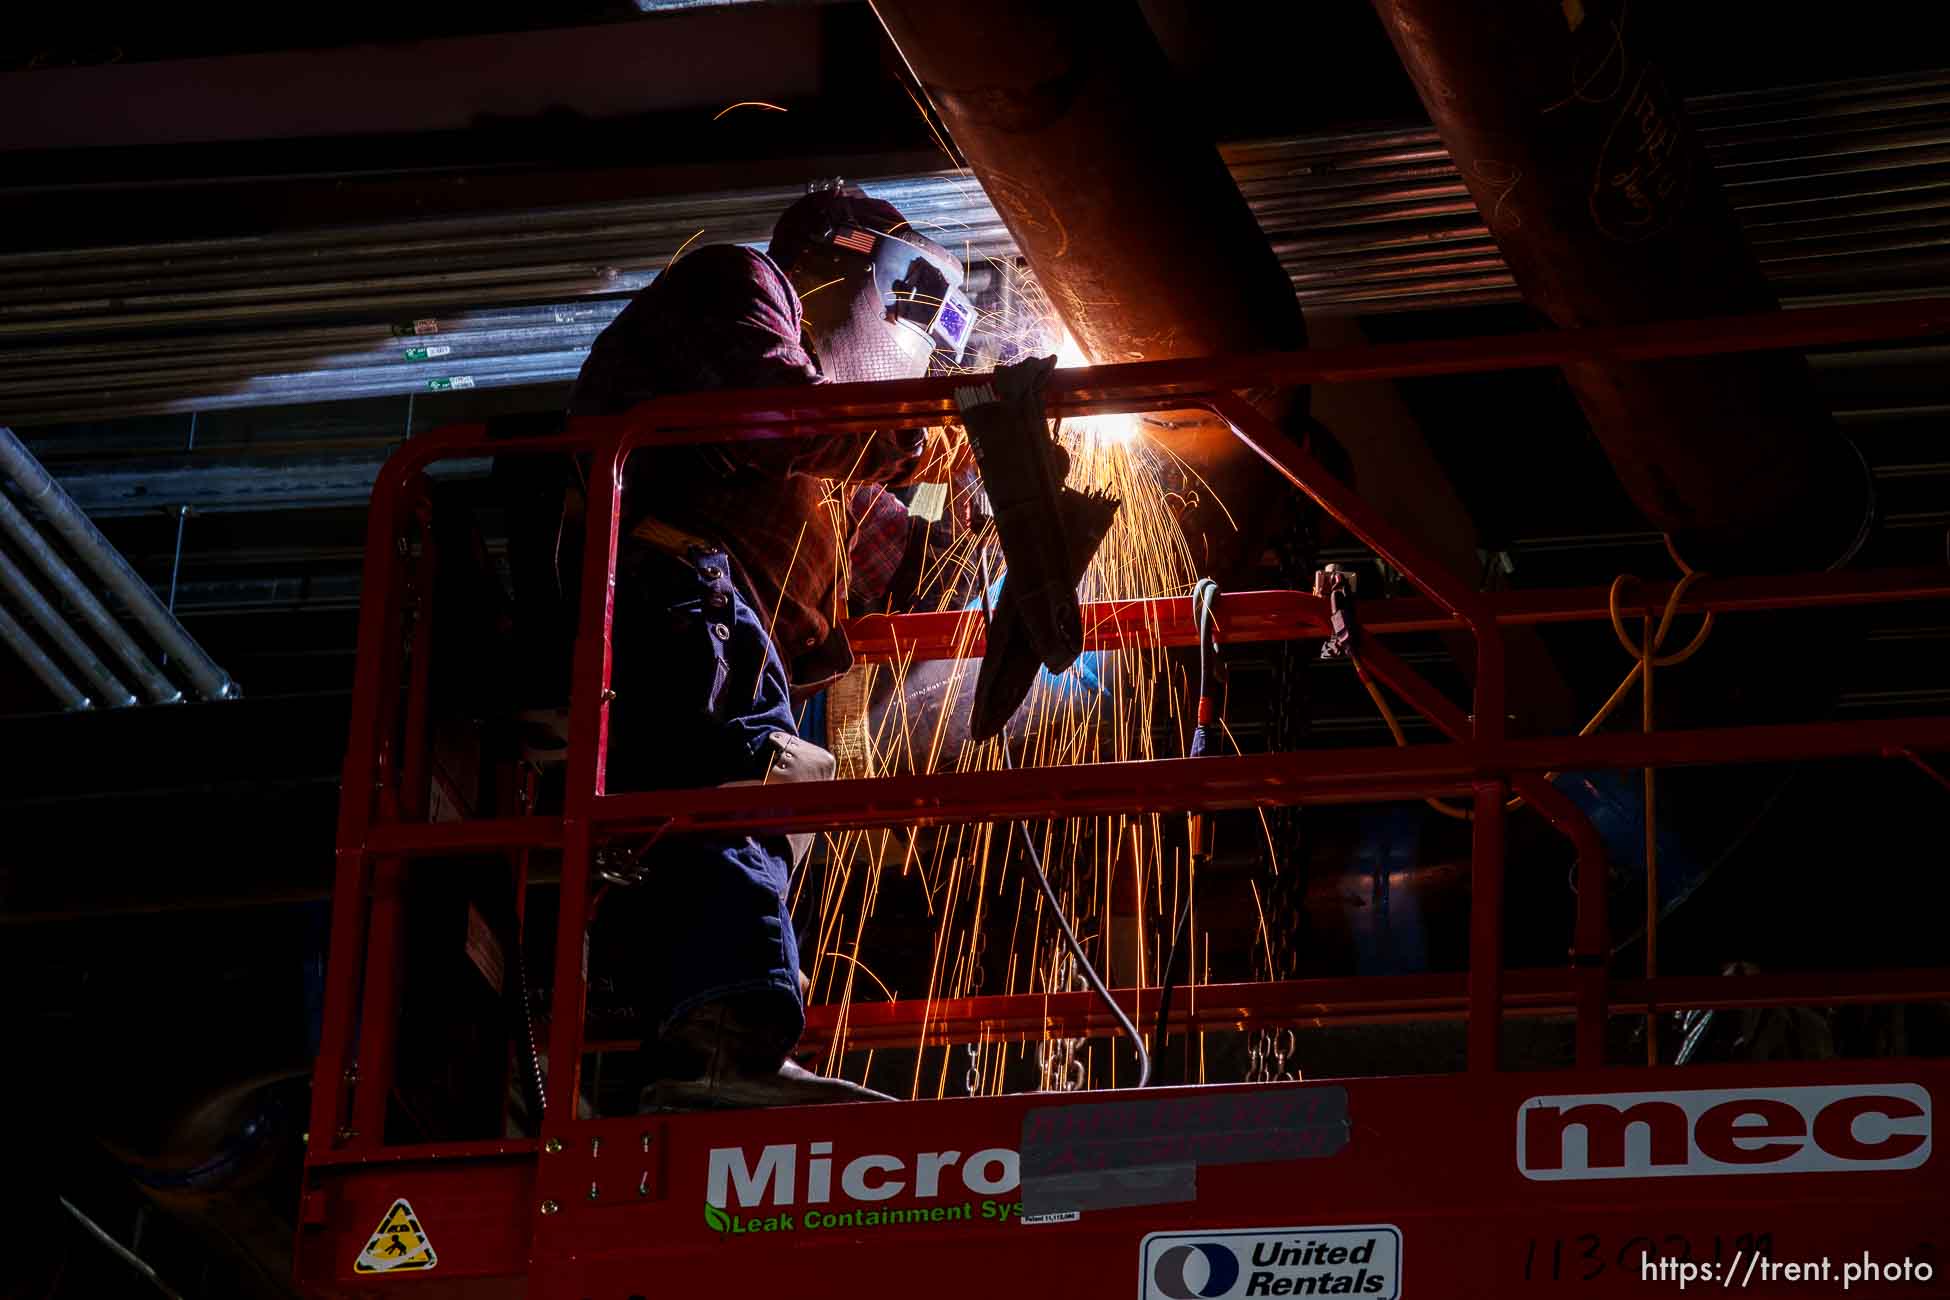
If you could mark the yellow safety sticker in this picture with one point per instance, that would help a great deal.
(399, 1245)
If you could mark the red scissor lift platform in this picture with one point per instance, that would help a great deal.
(1485, 1183)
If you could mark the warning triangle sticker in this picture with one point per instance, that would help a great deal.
(398, 1245)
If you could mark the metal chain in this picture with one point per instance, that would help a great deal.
(1297, 547)
(1056, 1058)
(620, 865)
(1283, 1046)
(1267, 1053)
(1062, 1069)
(978, 953)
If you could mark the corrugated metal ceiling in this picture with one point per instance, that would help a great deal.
(1844, 190)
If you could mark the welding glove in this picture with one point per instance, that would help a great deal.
(1022, 471)
(1009, 662)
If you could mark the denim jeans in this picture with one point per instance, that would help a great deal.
(699, 692)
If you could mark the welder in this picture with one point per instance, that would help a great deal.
(730, 586)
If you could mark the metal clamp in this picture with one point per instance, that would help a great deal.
(1336, 586)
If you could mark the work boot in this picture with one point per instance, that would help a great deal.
(737, 1064)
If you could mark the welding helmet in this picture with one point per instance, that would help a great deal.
(880, 299)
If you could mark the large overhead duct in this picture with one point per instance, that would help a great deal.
(1141, 237)
(1606, 208)
(1123, 208)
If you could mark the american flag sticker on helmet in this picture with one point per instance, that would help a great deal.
(860, 241)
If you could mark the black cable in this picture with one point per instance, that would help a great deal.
(1726, 855)
(1089, 972)
(1170, 978)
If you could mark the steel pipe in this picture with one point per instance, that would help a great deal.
(72, 697)
(220, 486)
(376, 297)
(113, 403)
(301, 386)
(28, 370)
(159, 688)
(107, 563)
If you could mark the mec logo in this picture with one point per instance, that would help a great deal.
(1855, 1128)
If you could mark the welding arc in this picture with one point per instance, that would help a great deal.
(1090, 975)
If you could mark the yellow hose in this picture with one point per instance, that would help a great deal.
(1644, 659)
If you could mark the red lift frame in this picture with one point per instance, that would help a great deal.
(603, 1207)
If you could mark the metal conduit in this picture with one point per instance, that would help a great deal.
(64, 638)
(157, 687)
(1841, 188)
(108, 567)
(16, 637)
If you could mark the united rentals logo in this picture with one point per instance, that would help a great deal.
(1845, 1129)
(1361, 1260)
(1221, 1271)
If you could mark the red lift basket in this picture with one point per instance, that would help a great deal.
(1589, 1182)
